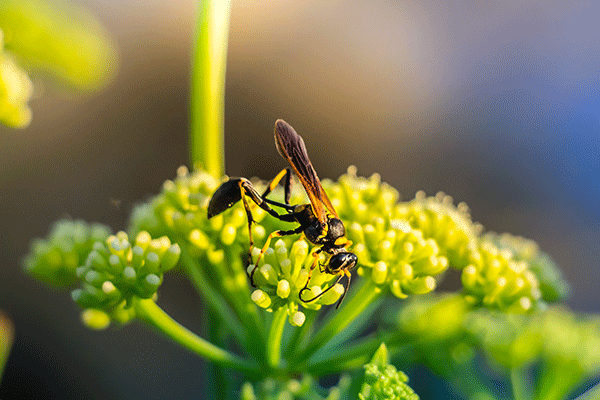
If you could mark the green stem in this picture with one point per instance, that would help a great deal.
(558, 378)
(301, 334)
(213, 298)
(353, 355)
(207, 101)
(275, 336)
(149, 312)
(521, 386)
(366, 294)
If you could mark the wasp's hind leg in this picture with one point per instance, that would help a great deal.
(287, 185)
(266, 246)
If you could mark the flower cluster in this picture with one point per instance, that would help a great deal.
(383, 381)
(402, 247)
(54, 260)
(496, 279)
(391, 251)
(305, 388)
(449, 225)
(117, 270)
(15, 91)
(551, 282)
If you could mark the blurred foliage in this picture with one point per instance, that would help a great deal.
(59, 39)
(15, 91)
(559, 349)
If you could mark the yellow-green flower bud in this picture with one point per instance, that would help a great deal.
(283, 289)
(297, 318)
(95, 319)
(261, 298)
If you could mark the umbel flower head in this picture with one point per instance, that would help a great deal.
(552, 284)
(117, 270)
(54, 259)
(392, 252)
(404, 248)
(496, 279)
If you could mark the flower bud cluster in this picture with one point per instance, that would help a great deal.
(402, 246)
(390, 250)
(552, 284)
(15, 91)
(54, 260)
(449, 225)
(449, 331)
(307, 387)
(117, 270)
(497, 280)
(383, 381)
(281, 274)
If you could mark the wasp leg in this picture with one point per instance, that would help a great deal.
(250, 221)
(287, 190)
(285, 173)
(310, 271)
(266, 246)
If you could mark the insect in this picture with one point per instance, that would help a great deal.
(318, 219)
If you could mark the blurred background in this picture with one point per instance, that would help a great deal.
(496, 104)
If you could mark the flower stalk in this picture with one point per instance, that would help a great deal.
(207, 101)
(275, 336)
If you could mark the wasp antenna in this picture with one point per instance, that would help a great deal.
(323, 292)
(345, 291)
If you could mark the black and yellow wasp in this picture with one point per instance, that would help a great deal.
(318, 220)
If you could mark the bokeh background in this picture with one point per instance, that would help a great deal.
(494, 103)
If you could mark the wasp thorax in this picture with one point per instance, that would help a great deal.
(336, 229)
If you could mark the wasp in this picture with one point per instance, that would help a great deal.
(318, 220)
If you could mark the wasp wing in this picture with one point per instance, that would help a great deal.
(291, 147)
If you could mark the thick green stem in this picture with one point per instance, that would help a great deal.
(353, 355)
(275, 336)
(301, 334)
(521, 386)
(366, 294)
(559, 377)
(213, 298)
(149, 312)
(207, 101)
